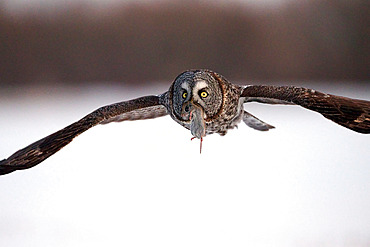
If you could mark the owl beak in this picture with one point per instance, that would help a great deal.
(189, 108)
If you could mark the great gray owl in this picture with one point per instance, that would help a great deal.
(203, 102)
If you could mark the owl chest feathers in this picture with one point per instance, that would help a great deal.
(230, 114)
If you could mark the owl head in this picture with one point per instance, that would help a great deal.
(197, 97)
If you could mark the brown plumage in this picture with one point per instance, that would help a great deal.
(350, 113)
(47, 146)
(203, 102)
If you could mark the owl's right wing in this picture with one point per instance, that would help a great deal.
(141, 108)
(353, 114)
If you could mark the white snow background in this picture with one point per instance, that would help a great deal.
(144, 183)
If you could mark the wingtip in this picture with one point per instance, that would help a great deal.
(266, 128)
(5, 169)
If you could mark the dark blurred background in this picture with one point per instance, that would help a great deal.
(152, 41)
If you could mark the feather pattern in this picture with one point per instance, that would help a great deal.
(350, 113)
(44, 148)
(255, 123)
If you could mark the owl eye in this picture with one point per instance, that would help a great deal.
(203, 94)
(184, 95)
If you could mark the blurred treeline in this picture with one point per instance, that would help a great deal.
(138, 43)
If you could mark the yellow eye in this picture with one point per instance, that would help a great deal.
(184, 95)
(203, 94)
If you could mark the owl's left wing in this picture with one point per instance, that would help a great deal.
(353, 114)
(141, 108)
